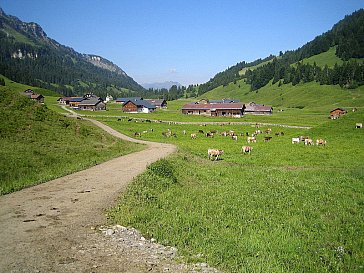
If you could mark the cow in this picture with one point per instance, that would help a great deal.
(251, 139)
(308, 141)
(136, 134)
(321, 142)
(224, 134)
(267, 138)
(166, 134)
(193, 136)
(279, 134)
(201, 131)
(295, 140)
(119, 119)
(213, 131)
(303, 138)
(268, 131)
(209, 134)
(214, 153)
(184, 132)
(234, 138)
(247, 134)
(246, 149)
(359, 125)
(257, 132)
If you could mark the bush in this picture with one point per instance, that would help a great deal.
(164, 169)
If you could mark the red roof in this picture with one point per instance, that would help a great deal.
(209, 106)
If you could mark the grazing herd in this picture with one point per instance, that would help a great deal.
(308, 141)
(215, 154)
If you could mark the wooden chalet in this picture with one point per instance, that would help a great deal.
(33, 96)
(158, 103)
(257, 109)
(138, 106)
(92, 103)
(64, 100)
(215, 110)
(75, 101)
(338, 112)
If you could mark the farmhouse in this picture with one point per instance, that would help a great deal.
(158, 103)
(338, 112)
(211, 109)
(123, 100)
(33, 96)
(138, 106)
(92, 104)
(257, 109)
(75, 101)
(64, 100)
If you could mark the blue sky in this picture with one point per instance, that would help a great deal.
(183, 40)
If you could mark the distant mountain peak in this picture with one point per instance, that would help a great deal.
(61, 65)
(161, 85)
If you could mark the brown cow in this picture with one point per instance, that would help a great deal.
(251, 139)
(193, 136)
(321, 142)
(267, 138)
(308, 141)
(214, 153)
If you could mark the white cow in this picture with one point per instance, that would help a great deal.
(295, 140)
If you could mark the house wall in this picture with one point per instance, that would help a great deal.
(130, 107)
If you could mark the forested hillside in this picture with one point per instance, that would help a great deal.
(28, 56)
(347, 37)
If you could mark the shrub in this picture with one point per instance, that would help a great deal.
(164, 169)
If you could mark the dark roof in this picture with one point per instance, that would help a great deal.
(65, 98)
(209, 106)
(90, 102)
(127, 99)
(141, 103)
(76, 99)
(36, 96)
(156, 102)
(341, 109)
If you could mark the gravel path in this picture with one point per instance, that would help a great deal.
(56, 226)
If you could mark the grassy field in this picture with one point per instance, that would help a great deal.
(309, 103)
(37, 144)
(284, 208)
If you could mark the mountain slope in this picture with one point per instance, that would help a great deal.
(346, 36)
(29, 56)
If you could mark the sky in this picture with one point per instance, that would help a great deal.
(187, 41)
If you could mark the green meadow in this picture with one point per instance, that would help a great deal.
(38, 144)
(284, 208)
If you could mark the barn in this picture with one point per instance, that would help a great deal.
(253, 108)
(138, 106)
(212, 109)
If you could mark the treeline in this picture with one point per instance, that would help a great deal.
(347, 36)
(229, 75)
(349, 75)
(173, 93)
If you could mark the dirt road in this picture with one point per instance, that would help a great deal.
(50, 227)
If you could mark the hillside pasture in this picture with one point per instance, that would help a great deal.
(37, 144)
(283, 208)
